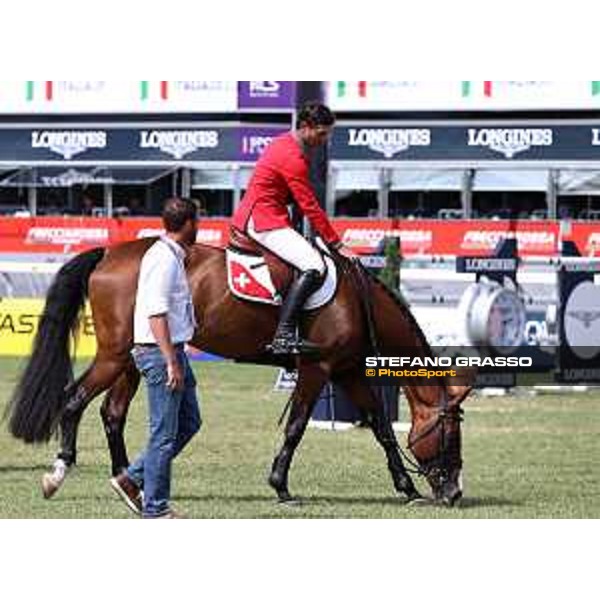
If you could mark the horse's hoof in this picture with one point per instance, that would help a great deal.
(417, 500)
(49, 485)
(289, 501)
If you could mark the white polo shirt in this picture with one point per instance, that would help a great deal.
(163, 289)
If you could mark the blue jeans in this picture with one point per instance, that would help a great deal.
(174, 419)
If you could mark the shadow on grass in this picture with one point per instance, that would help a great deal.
(465, 503)
(22, 468)
(303, 500)
(486, 502)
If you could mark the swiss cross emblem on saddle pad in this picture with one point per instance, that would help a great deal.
(256, 275)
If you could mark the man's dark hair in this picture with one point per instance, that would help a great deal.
(315, 114)
(177, 212)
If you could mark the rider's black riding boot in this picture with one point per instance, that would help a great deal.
(286, 340)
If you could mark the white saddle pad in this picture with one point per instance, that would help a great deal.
(249, 279)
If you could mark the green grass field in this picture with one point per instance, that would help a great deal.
(524, 458)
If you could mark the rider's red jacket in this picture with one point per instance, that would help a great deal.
(281, 174)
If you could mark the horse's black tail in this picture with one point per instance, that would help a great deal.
(39, 399)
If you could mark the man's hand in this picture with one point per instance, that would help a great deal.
(174, 375)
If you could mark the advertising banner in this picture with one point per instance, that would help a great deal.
(266, 94)
(150, 144)
(253, 141)
(366, 236)
(462, 95)
(485, 141)
(58, 235)
(105, 97)
(586, 237)
(139, 97)
(455, 238)
(19, 319)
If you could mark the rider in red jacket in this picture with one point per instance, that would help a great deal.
(281, 176)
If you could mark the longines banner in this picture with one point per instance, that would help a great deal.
(462, 95)
(101, 97)
(531, 141)
(148, 144)
(489, 142)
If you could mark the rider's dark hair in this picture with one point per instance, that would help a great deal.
(177, 212)
(315, 114)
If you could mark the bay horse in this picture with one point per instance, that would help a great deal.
(47, 399)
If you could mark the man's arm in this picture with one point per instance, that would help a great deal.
(159, 325)
(297, 179)
(154, 285)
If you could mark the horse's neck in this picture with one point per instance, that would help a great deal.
(397, 330)
(399, 334)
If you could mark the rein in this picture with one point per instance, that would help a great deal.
(361, 278)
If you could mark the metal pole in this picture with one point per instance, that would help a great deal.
(174, 183)
(551, 195)
(237, 186)
(32, 196)
(383, 200)
(331, 187)
(186, 183)
(467, 193)
(108, 199)
(306, 91)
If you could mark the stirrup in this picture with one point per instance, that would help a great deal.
(292, 345)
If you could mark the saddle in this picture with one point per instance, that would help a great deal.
(281, 272)
(255, 274)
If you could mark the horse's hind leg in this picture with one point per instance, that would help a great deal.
(364, 397)
(310, 382)
(97, 379)
(114, 414)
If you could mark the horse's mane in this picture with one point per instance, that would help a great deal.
(401, 304)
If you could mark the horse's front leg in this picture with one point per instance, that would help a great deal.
(361, 394)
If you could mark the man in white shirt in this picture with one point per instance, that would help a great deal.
(163, 322)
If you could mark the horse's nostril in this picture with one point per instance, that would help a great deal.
(451, 499)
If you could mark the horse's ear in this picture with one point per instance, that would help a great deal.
(458, 393)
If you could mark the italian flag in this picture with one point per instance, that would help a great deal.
(35, 90)
(468, 88)
(345, 88)
(147, 90)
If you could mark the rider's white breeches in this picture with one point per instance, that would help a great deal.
(289, 245)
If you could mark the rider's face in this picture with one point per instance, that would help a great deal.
(316, 135)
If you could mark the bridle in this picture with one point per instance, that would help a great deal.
(439, 467)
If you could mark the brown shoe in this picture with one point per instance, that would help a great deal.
(129, 492)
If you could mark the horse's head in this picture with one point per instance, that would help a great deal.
(435, 438)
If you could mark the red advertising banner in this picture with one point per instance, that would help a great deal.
(587, 238)
(52, 235)
(57, 235)
(457, 238)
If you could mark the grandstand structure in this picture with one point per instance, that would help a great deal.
(449, 168)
